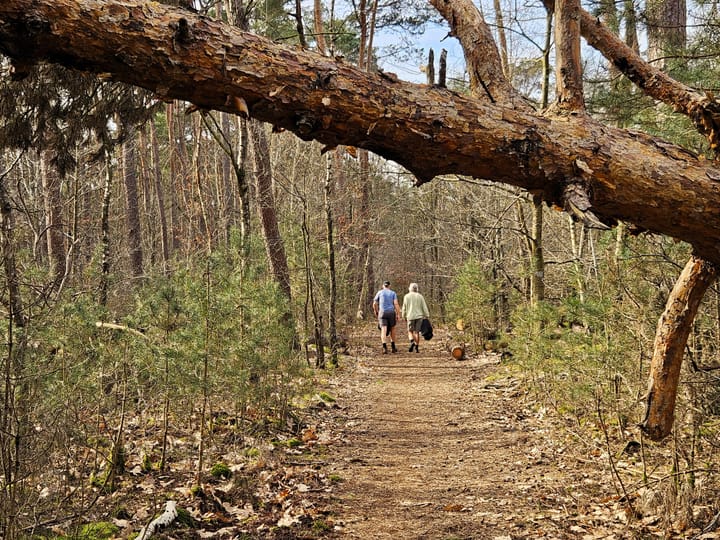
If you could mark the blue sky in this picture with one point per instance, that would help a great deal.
(435, 37)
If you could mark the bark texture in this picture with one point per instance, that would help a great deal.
(568, 71)
(134, 235)
(673, 330)
(629, 176)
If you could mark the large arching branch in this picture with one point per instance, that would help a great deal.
(630, 176)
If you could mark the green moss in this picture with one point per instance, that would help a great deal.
(320, 525)
(290, 443)
(185, 518)
(99, 531)
(327, 397)
(220, 470)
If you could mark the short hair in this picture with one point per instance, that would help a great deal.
(386, 283)
(413, 287)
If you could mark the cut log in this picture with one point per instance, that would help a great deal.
(458, 352)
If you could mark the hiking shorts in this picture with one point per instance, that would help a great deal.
(414, 325)
(387, 318)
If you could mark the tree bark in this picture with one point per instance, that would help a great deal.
(667, 29)
(673, 330)
(56, 247)
(160, 194)
(329, 197)
(484, 65)
(268, 214)
(133, 211)
(537, 259)
(568, 69)
(15, 305)
(105, 231)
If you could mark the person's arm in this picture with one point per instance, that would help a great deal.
(426, 311)
(397, 308)
(375, 308)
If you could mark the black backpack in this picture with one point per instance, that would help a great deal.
(426, 329)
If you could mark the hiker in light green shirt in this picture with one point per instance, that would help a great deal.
(414, 310)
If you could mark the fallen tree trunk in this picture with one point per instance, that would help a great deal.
(626, 175)
(673, 330)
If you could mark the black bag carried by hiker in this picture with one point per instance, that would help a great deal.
(426, 329)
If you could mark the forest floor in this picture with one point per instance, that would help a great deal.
(433, 448)
(408, 446)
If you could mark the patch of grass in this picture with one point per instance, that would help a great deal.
(252, 452)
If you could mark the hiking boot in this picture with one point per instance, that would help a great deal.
(416, 348)
(394, 349)
(412, 346)
(384, 348)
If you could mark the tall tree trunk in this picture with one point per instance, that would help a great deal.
(13, 415)
(568, 68)
(132, 206)
(631, 37)
(200, 213)
(330, 241)
(105, 232)
(365, 54)
(239, 15)
(176, 147)
(537, 260)
(502, 39)
(228, 210)
(671, 337)
(311, 300)
(330, 159)
(159, 194)
(242, 184)
(319, 27)
(268, 213)
(367, 278)
(55, 234)
(15, 305)
(667, 30)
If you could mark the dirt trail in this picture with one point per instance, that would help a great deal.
(432, 448)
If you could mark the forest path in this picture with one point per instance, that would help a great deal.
(433, 448)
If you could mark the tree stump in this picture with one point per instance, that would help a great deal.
(458, 352)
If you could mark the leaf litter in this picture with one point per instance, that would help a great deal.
(412, 446)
